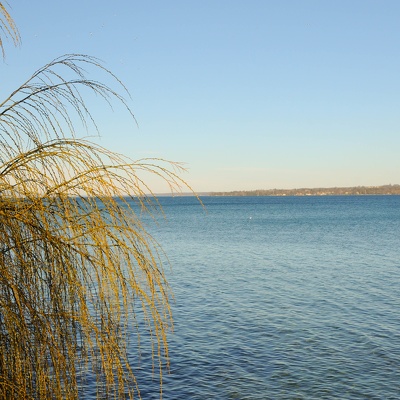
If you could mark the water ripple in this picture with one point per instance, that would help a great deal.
(299, 302)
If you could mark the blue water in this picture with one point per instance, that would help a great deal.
(282, 298)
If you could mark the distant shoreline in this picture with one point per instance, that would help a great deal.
(333, 191)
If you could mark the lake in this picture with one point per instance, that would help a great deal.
(282, 298)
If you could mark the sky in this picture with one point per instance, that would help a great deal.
(254, 94)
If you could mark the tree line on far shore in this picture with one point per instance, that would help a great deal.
(334, 191)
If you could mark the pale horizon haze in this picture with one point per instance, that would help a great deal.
(255, 94)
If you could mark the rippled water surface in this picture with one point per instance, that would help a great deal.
(283, 298)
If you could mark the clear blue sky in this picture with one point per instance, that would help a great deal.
(251, 94)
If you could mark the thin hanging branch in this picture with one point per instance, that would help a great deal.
(78, 271)
(47, 104)
(8, 28)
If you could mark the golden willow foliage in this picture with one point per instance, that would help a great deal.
(8, 29)
(78, 272)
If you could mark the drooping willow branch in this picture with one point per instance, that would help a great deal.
(48, 104)
(78, 271)
(8, 29)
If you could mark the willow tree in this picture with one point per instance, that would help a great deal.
(78, 271)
